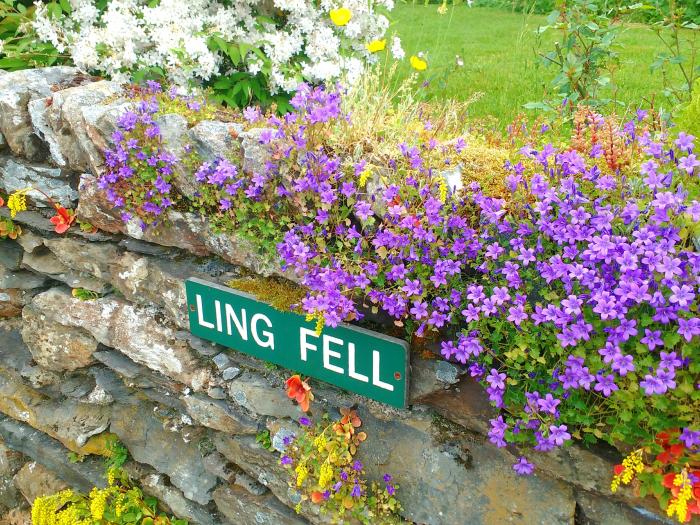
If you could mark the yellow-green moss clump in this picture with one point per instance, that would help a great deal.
(281, 294)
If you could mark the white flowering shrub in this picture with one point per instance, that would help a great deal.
(251, 46)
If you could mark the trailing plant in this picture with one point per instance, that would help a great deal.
(119, 503)
(322, 466)
(568, 286)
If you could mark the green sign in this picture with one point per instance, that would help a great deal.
(349, 357)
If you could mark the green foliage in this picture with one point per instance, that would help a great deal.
(117, 454)
(84, 294)
(689, 116)
(263, 439)
(238, 88)
(681, 52)
(584, 54)
(19, 46)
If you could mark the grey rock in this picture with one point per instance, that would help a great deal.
(465, 469)
(77, 386)
(254, 393)
(30, 241)
(71, 422)
(593, 509)
(11, 462)
(10, 254)
(218, 465)
(240, 506)
(3, 143)
(64, 124)
(218, 415)
(144, 248)
(49, 452)
(213, 139)
(221, 361)
(216, 392)
(447, 372)
(255, 154)
(138, 332)
(245, 481)
(93, 258)
(21, 280)
(45, 262)
(14, 354)
(230, 373)
(16, 90)
(144, 436)
(175, 501)
(34, 480)
(57, 184)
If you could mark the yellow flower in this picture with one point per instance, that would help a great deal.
(418, 63)
(376, 45)
(17, 202)
(443, 8)
(325, 475)
(364, 176)
(340, 16)
(302, 473)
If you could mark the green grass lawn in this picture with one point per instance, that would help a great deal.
(499, 53)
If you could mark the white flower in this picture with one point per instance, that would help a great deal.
(175, 36)
(396, 50)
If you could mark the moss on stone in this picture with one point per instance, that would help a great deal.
(279, 293)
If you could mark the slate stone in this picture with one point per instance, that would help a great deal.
(51, 454)
(148, 442)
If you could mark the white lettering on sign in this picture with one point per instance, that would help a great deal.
(241, 326)
(375, 373)
(351, 365)
(328, 353)
(219, 325)
(270, 338)
(200, 315)
(304, 344)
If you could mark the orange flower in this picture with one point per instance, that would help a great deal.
(300, 391)
(62, 220)
(316, 497)
(618, 469)
(2, 201)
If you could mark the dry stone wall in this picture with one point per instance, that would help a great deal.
(189, 411)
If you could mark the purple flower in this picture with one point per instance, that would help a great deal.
(356, 491)
(305, 421)
(605, 384)
(357, 466)
(523, 467)
(286, 460)
(559, 434)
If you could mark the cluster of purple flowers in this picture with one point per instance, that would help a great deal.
(579, 287)
(139, 168)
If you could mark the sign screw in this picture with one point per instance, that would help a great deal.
(397, 376)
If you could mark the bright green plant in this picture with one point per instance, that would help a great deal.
(19, 46)
(322, 467)
(584, 54)
(681, 51)
(263, 439)
(689, 116)
(120, 503)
